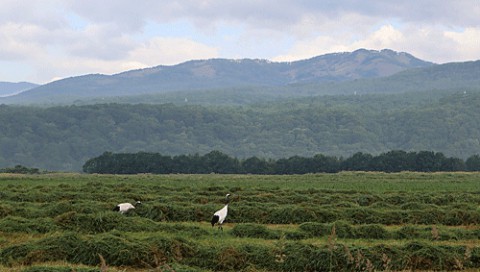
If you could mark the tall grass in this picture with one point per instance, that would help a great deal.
(328, 222)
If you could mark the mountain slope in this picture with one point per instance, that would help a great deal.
(224, 73)
(10, 88)
(440, 79)
(449, 76)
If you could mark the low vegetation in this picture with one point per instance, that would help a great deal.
(349, 221)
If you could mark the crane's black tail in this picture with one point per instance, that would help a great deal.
(215, 219)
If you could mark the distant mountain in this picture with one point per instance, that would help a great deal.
(449, 76)
(9, 88)
(224, 73)
(435, 80)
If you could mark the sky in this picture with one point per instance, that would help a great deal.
(46, 40)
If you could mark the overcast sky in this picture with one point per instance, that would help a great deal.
(44, 40)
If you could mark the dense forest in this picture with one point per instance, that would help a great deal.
(65, 137)
(217, 162)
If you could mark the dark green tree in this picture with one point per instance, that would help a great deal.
(473, 163)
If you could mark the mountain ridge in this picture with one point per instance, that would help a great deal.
(227, 73)
(13, 88)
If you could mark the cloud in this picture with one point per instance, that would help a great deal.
(59, 38)
(428, 43)
(170, 51)
(467, 44)
(20, 41)
(100, 41)
(167, 51)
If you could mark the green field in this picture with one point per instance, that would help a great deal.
(351, 221)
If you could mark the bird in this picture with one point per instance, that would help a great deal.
(220, 215)
(125, 207)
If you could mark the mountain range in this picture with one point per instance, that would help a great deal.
(212, 74)
(9, 88)
(336, 104)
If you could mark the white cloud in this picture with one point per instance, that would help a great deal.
(425, 42)
(467, 44)
(59, 38)
(20, 41)
(100, 42)
(170, 51)
(166, 51)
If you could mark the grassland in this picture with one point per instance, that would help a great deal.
(352, 221)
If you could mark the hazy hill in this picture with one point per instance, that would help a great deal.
(10, 88)
(224, 73)
(444, 78)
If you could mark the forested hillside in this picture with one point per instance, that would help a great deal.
(63, 138)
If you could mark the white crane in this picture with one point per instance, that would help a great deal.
(220, 215)
(125, 207)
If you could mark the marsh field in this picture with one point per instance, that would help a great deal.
(350, 221)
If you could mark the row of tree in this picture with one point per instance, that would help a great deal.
(20, 169)
(218, 162)
(63, 138)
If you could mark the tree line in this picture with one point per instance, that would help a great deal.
(63, 138)
(218, 162)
